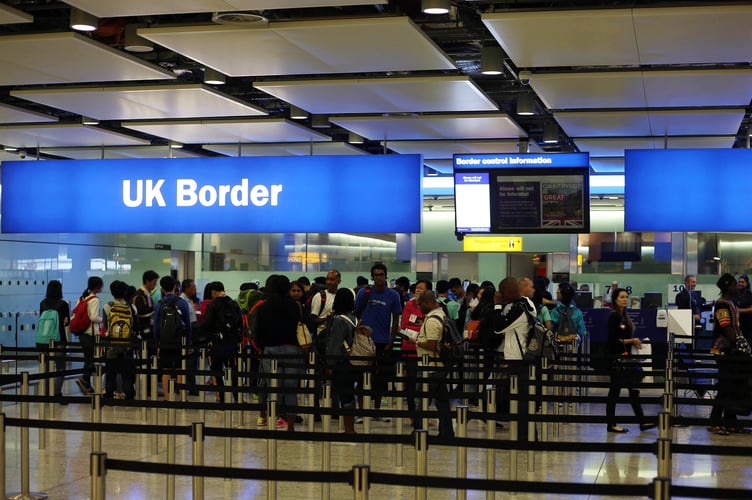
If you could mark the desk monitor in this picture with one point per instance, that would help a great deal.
(652, 300)
(583, 300)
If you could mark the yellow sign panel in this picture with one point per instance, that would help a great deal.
(493, 243)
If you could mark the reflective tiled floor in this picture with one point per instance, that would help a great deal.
(61, 469)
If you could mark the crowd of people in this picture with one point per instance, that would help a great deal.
(267, 321)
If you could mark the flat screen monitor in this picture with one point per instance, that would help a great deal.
(652, 300)
(583, 300)
(522, 193)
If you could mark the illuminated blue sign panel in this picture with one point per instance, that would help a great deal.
(687, 190)
(520, 160)
(355, 194)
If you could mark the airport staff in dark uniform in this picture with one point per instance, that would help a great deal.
(689, 298)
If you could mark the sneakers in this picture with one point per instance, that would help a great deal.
(118, 395)
(281, 422)
(86, 389)
(383, 420)
(359, 420)
(261, 422)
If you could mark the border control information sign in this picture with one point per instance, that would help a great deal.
(522, 193)
(224, 195)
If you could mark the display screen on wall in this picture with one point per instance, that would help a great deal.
(522, 193)
(687, 190)
(354, 194)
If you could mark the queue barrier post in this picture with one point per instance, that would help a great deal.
(662, 488)
(398, 450)
(461, 449)
(197, 434)
(184, 369)
(367, 405)
(326, 445)
(227, 397)
(546, 390)
(2, 455)
(490, 434)
(202, 392)
(42, 440)
(154, 410)
(98, 472)
(51, 358)
(311, 396)
(25, 494)
(361, 482)
(96, 418)
(425, 362)
(421, 460)
(171, 438)
(513, 423)
(531, 404)
(143, 377)
(271, 444)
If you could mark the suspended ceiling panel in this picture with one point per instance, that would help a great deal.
(119, 153)
(121, 8)
(565, 38)
(37, 59)
(306, 47)
(382, 95)
(142, 103)
(607, 165)
(9, 15)
(432, 127)
(7, 156)
(59, 135)
(655, 89)
(650, 123)
(694, 35)
(286, 149)
(12, 114)
(614, 147)
(624, 37)
(442, 150)
(229, 131)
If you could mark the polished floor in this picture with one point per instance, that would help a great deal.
(61, 468)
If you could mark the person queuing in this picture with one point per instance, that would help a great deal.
(53, 300)
(620, 341)
(410, 323)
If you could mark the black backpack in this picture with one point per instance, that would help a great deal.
(566, 326)
(230, 321)
(171, 326)
(451, 347)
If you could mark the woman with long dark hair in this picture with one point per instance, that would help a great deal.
(53, 299)
(620, 341)
(276, 333)
(341, 332)
(93, 287)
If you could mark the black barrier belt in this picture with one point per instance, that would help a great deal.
(704, 492)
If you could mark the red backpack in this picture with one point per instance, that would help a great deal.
(80, 321)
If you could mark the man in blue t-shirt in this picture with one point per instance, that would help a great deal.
(379, 307)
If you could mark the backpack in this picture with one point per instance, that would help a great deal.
(80, 321)
(451, 347)
(541, 342)
(362, 347)
(309, 302)
(249, 324)
(171, 326)
(48, 327)
(246, 299)
(566, 329)
(119, 323)
(229, 330)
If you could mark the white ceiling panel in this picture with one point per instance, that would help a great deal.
(590, 90)
(650, 123)
(382, 95)
(36, 59)
(307, 47)
(229, 131)
(694, 35)
(565, 38)
(286, 149)
(668, 89)
(614, 147)
(59, 135)
(120, 8)
(142, 103)
(12, 114)
(119, 152)
(9, 15)
(442, 150)
(607, 165)
(432, 127)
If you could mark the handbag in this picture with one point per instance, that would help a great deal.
(362, 349)
(304, 336)
(629, 370)
(472, 331)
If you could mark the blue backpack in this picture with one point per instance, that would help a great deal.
(48, 327)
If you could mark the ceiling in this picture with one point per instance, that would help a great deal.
(376, 77)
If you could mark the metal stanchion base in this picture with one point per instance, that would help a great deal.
(32, 495)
